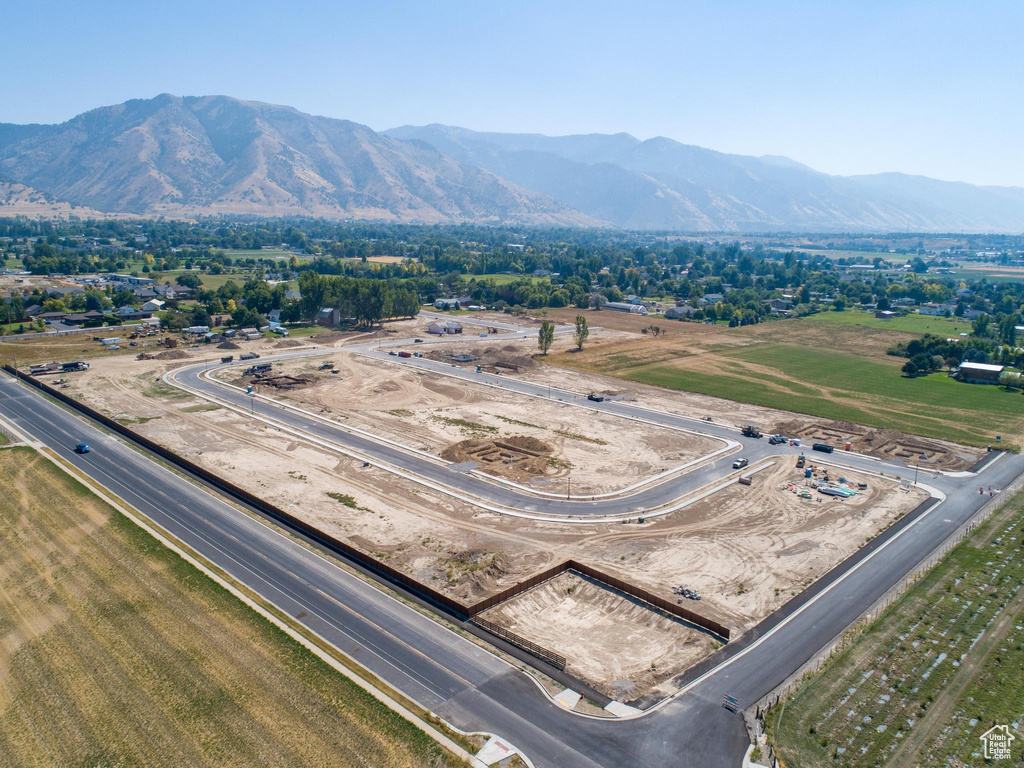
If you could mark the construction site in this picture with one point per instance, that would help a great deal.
(743, 548)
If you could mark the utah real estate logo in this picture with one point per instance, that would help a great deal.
(997, 742)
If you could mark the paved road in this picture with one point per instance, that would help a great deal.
(461, 681)
(658, 496)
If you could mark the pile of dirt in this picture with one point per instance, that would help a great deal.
(287, 344)
(228, 345)
(888, 444)
(173, 354)
(518, 457)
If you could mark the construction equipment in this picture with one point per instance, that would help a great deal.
(248, 356)
(750, 431)
(259, 368)
(801, 460)
(227, 358)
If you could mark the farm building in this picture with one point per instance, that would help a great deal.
(979, 373)
(442, 327)
(621, 306)
(329, 316)
(885, 314)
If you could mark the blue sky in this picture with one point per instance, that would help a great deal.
(933, 88)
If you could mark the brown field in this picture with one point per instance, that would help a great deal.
(747, 549)
(114, 651)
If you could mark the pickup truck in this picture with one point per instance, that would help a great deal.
(82, 448)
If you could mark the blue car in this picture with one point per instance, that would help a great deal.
(82, 448)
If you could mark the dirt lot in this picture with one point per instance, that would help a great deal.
(618, 643)
(746, 549)
(452, 419)
(115, 652)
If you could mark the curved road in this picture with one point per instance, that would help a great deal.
(468, 685)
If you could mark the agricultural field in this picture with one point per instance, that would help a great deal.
(937, 669)
(912, 323)
(833, 370)
(116, 652)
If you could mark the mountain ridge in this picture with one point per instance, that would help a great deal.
(208, 155)
(196, 155)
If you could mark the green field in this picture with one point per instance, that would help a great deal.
(913, 323)
(845, 387)
(932, 673)
(827, 366)
(505, 279)
(114, 651)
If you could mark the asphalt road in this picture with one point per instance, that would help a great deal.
(464, 683)
(658, 496)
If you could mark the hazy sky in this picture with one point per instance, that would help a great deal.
(933, 88)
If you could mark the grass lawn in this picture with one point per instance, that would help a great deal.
(115, 652)
(936, 670)
(914, 323)
(505, 279)
(210, 282)
(830, 370)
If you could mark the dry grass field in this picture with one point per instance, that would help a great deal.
(115, 652)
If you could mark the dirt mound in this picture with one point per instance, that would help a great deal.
(287, 344)
(173, 354)
(527, 443)
(518, 457)
(228, 345)
(882, 443)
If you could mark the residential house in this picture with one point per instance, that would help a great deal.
(680, 312)
(442, 327)
(153, 305)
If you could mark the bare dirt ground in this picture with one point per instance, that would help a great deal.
(617, 643)
(886, 444)
(747, 549)
(453, 419)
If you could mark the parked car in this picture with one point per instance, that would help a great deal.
(740, 463)
(82, 448)
(418, 341)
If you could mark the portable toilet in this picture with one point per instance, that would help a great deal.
(807, 472)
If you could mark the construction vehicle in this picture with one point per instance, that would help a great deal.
(823, 447)
(750, 431)
(248, 356)
(800, 461)
(259, 368)
(227, 358)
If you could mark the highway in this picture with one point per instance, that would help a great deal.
(465, 683)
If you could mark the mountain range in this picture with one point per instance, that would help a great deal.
(189, 156)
